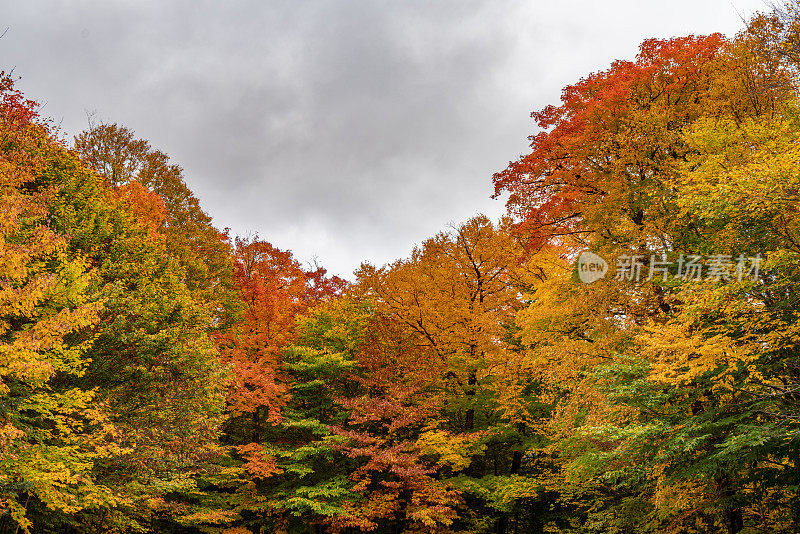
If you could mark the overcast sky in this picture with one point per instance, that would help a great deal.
(343, 130)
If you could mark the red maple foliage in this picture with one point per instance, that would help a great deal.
(615, 133)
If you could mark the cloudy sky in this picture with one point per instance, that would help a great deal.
(338, 129)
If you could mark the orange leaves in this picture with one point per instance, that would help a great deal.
(455, 292)
(274, 290)
(148, 206)
(436, 359)
(454, 301)
(257, 462)
(256, 383)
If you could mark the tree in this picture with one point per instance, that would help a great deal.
(275, 291)
(130, 164)
(653, 381)
(455, 298)
(126, 390)
(51, 432)
(599, 169)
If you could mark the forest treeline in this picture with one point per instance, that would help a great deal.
(159, 375)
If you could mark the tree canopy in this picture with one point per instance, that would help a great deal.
(160, 375)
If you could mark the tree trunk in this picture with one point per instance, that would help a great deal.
(469, 419)
(731, 515)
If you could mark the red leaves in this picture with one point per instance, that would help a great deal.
(14, 107)
(608, 135)
(274, 290)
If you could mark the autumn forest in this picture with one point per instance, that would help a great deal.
(158, 374)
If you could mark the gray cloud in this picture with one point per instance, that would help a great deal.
(348, 130)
